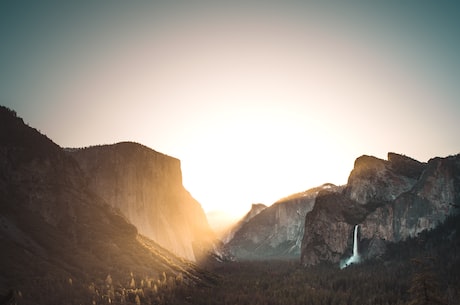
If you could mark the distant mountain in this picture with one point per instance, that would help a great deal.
(256, 208)
(61, 242)
(275, 231)
(146, 186)
(390, 200)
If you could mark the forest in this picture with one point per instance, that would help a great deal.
(422, 270)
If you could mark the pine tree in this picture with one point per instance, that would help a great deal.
(424, 289)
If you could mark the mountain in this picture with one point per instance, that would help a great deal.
(61, 241)
(256, 208)
(275, 231)
(391, 200)
(146, 186)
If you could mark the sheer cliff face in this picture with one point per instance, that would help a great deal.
(146, 186)
(391, 200)
(276, 231)
(326, 229)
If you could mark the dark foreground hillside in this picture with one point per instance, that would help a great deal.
(420, 269)
(61, 243)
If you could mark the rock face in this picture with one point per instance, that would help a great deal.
(255, 210)
(54, 227)
(146, 186)
(390, 200)
(275, 231)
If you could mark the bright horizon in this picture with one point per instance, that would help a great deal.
(257, 101)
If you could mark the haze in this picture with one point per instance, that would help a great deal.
(257, 100)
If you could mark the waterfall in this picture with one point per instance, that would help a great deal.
(355, 242)
(355, 258)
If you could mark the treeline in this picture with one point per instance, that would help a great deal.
(412, 272)
(129, 289)
(422, 270)
(282, 282)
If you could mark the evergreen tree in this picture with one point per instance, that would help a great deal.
(424, 289)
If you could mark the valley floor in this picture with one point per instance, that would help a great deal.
(286, 282)
(412, 272)
(426, 267)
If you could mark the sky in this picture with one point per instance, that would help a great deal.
(258, 99)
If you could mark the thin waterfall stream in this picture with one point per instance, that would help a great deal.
(355, 258)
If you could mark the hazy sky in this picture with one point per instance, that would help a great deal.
(258, 99)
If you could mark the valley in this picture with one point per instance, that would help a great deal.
(229, 152)
(113, 224)
(432, 259)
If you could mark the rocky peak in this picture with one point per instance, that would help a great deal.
(256, 208)
(390, 200)
(405, 166)
(367, 165)
(374, 180)
(21, 142)
(440, 182)
(31, 166)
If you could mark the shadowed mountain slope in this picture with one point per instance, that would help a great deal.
(59, 237)
(275, 232)
(391, 200)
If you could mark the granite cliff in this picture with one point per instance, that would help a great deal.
(59, 237)
(146, 186)
(256, 208)
(275, 231)
(391, 200)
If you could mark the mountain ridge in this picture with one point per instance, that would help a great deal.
(389, 203)
(59, 237)
(276, 231)
(391, 199)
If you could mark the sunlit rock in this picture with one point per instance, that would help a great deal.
(146, 186)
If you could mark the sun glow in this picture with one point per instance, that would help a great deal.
(261, 160)
(258, 102)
